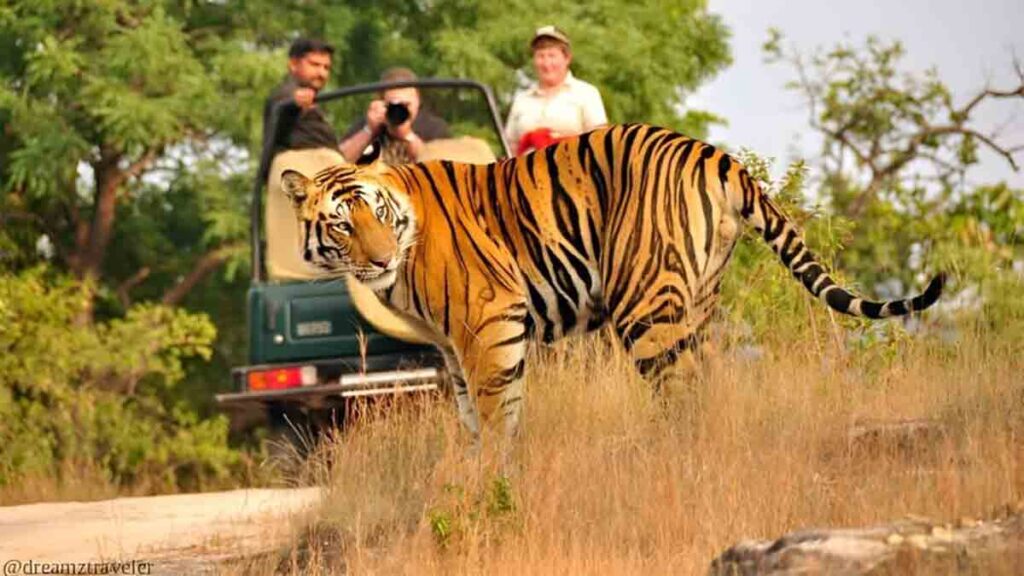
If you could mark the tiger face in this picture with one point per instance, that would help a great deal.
(349, 222)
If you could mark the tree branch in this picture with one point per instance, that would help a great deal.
(1006, 153)
(206, 264)
(840, 135)
(109, 180)
(989, 93)
(132, 281)
(81, 238)
(136, 168)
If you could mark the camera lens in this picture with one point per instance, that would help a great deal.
(397, 113)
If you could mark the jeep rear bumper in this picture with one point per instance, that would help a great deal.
(346, 386)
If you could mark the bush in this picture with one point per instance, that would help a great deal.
(87, 396)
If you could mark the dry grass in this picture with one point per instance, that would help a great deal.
(89, 481)
(612, 480)
(84, 483)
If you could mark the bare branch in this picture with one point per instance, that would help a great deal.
(941, 162)
(137, 167)
(989, 93)
(207, 264)
(840, 135)
(1006, 153)
(132, 281)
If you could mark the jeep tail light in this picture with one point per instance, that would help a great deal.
(282, 378)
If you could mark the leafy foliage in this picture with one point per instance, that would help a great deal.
(897, 149)
(102, 100)
(73, 395)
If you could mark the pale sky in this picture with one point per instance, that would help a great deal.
(968, 42)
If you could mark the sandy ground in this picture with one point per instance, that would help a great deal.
(169, 530)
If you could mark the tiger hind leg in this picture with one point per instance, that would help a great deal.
(496, 379)
(493, 359)
(668, 354)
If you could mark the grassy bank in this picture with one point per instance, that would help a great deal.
(611, 479)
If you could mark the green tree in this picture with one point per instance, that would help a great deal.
(896, 148)
(95, 96)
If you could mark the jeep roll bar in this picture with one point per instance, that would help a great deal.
(269, 137)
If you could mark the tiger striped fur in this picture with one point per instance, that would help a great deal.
(632, 225)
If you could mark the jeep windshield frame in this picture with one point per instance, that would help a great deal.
(266, 154)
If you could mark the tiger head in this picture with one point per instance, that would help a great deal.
(350, 221)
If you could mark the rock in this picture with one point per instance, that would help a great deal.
(899, 436)
(911, 546)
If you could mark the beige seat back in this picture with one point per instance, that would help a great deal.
(464, 149)
(282, 230)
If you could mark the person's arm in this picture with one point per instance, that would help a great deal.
(513, 131)
(352, 146)
(593, 110)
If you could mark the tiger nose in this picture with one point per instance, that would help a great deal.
(381, 263)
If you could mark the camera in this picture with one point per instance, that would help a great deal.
(397, 113)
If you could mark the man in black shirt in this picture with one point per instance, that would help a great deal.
(305, 141)
(302, 125)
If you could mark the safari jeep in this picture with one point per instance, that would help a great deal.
(310, 351)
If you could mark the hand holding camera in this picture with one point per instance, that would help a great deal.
(376, 116)
(395, 116)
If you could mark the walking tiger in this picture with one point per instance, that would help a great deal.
(629, 224)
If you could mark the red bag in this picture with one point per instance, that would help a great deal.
(535, 140)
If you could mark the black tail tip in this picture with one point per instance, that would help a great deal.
(931, 293)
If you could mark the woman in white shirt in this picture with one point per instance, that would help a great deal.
(558, 104)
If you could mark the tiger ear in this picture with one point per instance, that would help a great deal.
(295, 186)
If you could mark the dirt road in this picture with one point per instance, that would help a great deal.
(169, 530)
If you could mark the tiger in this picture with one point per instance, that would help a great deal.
(628, 225)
